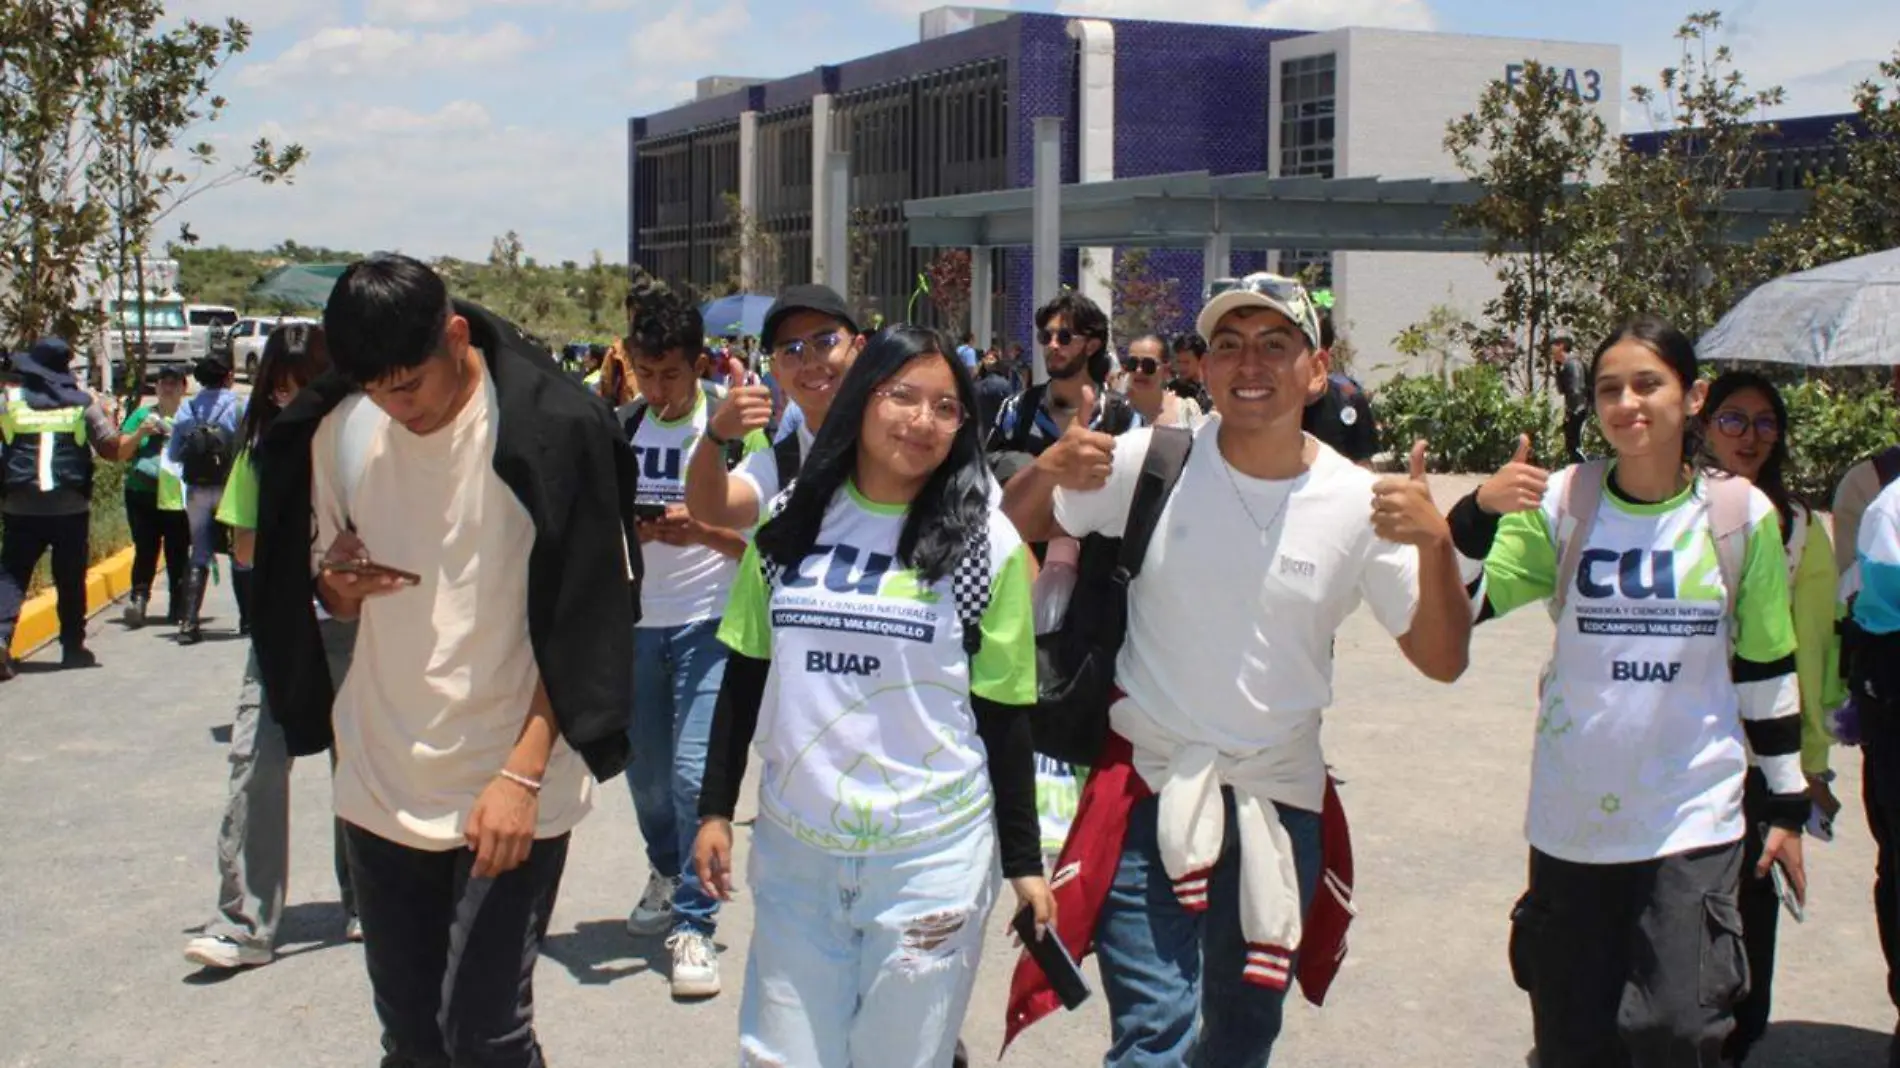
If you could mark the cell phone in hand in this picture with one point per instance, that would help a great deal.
(649, 512)
(1064, 975)
(1786, 893)
(371, 569)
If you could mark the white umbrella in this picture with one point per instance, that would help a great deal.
(1845, 314)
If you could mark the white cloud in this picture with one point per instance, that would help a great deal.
(423, 12)
(687, 36)
(1286, 14)
(441, 182)
(918, 7)
(354, 52)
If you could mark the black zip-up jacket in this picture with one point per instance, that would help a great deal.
(561, 453)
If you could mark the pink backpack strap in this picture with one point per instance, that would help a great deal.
(1729, 500)
(1576, 515)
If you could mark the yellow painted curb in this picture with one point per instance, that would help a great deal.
(106, 582)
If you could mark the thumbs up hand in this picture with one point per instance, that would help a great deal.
(1403, 510)
(746, 407)
(1518, 487)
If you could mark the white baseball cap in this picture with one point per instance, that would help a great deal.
(1260, 290)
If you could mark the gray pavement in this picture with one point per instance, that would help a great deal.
(114, 781)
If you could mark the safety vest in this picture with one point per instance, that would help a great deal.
(45, 450)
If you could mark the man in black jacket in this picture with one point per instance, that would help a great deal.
(469, 507)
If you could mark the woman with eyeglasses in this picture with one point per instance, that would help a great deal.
(1745, 432)
(1146, 363)
(1672, 671)
(254, 837)
(883, 655)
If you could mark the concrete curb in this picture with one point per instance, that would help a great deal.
(106, 582)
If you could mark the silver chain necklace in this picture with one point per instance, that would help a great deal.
(1263, 528)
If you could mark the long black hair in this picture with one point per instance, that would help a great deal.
(954, 502)
(1674, 348)
(1772, 479)
(293, 352)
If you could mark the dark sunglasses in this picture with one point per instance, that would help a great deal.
(1735, 424)
(1145, 365)
(1060, 337)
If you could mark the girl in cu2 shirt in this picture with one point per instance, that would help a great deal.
(1674, 661)
(883, 653)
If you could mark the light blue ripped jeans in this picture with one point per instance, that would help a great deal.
(863, 962)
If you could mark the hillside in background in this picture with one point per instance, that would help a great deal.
(557, 303)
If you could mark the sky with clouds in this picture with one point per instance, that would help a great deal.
(434, 125)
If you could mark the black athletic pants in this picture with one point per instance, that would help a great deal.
(1631, 965)
(29, 537)
(152, 531)
(1880, 791)
(1573, 435)
(1761, 920)
(451, 957)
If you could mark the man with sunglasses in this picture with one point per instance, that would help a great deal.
(1042, 421)
(813, 342)
(1204, 820)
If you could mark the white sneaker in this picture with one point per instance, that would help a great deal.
(695, 965)
(210, 951)
(654, 914)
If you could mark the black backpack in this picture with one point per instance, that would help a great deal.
(1118, 415)
(204, 455)
(1075, 664)
(1887, 465)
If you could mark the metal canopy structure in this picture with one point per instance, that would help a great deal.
(1256, 211)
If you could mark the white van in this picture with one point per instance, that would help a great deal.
(206, 321)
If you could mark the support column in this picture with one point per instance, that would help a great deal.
(1046, 222)
(750, 269)
(820, 193)
(837, 231)
(982, 322)
(1217, 259)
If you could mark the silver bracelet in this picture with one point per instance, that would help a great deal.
(533, 785)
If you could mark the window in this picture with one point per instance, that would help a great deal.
(1308, 122)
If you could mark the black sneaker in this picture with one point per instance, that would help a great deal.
(135, 607)
(8, 668)
(78, 657)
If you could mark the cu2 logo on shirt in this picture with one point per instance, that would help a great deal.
(842, 574)
(658, 464)
(1628, 576)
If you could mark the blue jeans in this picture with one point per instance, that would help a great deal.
(863, 961)
(677, 672)
(1173, 979)
(201, 511)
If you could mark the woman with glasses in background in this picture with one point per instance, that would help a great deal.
(1745, 432)
(1145, 362)
(883, 653)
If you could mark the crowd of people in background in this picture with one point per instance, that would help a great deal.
(836, 548)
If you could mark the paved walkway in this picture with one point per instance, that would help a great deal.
(113, 784)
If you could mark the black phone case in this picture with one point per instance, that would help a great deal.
(1064, 975)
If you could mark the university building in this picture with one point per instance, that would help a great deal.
(954, 114)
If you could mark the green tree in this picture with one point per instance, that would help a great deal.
(1143, 300)
(1854, 210)
(750, 257)
(1528, 146)
(949, 277)
(154, 88)
(1656, 237)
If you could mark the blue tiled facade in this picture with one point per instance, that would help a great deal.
(1187, 97)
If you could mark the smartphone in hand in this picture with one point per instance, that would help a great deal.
(371, 569)
(1064, 975)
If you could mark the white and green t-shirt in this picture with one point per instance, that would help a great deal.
(866, 732)
(684, 583)
(1640, 739)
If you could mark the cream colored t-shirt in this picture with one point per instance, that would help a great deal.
(444, 673)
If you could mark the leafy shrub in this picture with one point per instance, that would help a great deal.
(1830, 430)
(1472, 423)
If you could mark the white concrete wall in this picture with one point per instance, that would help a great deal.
(1397, 92)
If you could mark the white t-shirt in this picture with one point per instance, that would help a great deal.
(684, 583)
(444, 674)
(1230, 629)
(760, 469)
(866, 733)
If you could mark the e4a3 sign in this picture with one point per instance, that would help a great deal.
(1586, 85)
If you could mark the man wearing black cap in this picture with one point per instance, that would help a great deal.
(49, 430)
(813, 341)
